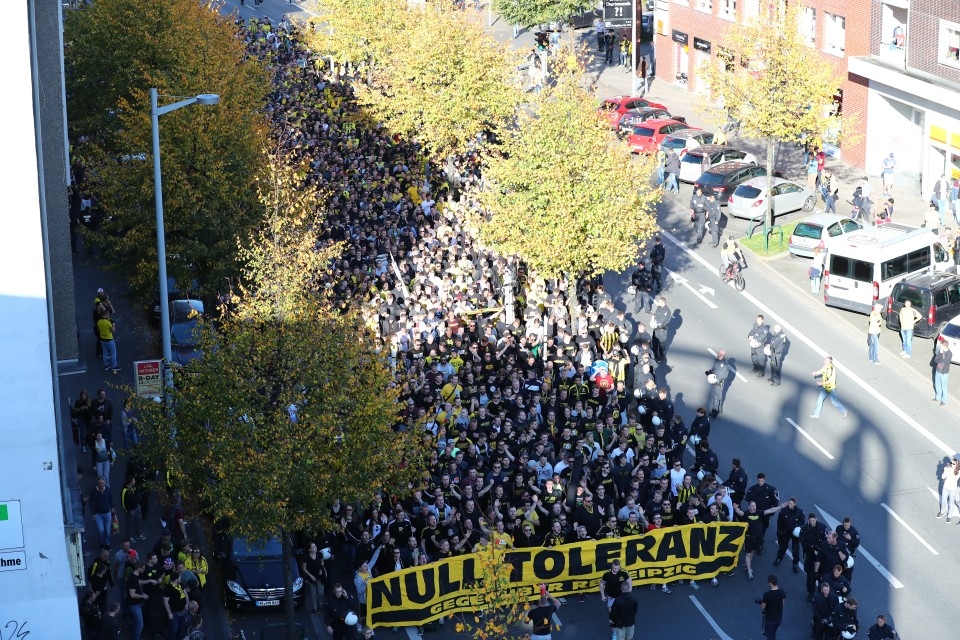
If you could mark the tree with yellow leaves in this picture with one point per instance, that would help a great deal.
(500, 605)
(290, 406)
(433, 74)
(115, 51)
(562, 193)
(773, 83)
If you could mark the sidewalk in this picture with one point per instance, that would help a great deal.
(612, 80)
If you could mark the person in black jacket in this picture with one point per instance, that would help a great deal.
(623, 613)
(720, 369)
(844, 617)
(737, 482)
(788, 520)
(766, 496)
(812, 535)
(642, 282)
(777, 343)
(657, 255)
(757, 339)
(822, 610)
(336, 611)
(660, 322)
(881, 630)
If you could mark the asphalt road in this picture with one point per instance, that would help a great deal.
(878, 466)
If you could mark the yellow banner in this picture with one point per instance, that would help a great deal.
(422, 594)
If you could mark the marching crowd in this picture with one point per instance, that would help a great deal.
(539, 399)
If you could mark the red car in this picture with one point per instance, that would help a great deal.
(613, 108)
(646, 136)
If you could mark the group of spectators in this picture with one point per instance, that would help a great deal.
(537, 398)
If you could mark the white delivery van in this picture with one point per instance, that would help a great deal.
(862, 267)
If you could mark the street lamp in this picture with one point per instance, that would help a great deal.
(155, 113)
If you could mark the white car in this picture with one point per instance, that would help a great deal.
(749, 198)
(691, 164)
(951, 333)
(822, 227)
(685, 140)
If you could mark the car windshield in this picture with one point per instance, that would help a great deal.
(692, 158)
(185, 335)
(643, 131)
(675, 143)
(711, 178)
(807, 230)
(909, 293)
(243, 549)
(184, 309)
(746, 191)
(951, 330)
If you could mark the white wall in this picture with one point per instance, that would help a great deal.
(37, 597)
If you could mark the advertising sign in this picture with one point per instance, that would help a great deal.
(618, 14)
(149, 378)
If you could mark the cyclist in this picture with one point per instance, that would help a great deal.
(731, 258)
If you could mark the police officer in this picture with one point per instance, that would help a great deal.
(766, 496)
(849, 536)
(812, 535)
(776, 345)
(757, 338)
(822, 609)
(713, 215)
(657, 255)
(642, 282)
(661, 325)
(698, 212)
(832, 553)
(720, 369)
(788, 520)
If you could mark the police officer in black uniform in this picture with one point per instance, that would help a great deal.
(720, 369)
(787, 520)
(642, 282)
(812, 535)
(698, 212)
(657, 255)
(757, 339)
(776, 345)
(713, 215)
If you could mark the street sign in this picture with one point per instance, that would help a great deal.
(149, 381)
(618, 14)
(12, 554)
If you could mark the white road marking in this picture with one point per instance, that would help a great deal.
(737, 373)
(936, 496)
(705, 289)
(810, 438)
(679, 279)
(710, 620)
(833, 523)
(910, 529)
(857, 380)
(799, 566)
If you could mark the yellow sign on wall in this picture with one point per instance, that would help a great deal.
(421, 594)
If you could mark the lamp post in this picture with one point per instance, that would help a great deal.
(155, 113)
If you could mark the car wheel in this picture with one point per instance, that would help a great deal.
(808, 203)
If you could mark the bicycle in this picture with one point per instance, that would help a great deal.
(733, 273)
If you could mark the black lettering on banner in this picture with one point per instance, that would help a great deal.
(638, 550)
(703, 541)
(671, 546)
(447, 585)
(654, 572)
(469, 574)
(517, 559)
(415, 594)
(729, 534)
(577, 567)
(389, 591)
(606, 553)
(548, 564)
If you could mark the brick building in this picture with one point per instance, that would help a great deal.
(912, 76)
(688, 33)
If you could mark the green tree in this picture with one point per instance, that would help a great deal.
(115, 51)
(529, 13)
(777, 86)
(289, 407)
(434, 75)
(563, 194)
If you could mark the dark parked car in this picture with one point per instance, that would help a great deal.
(724, 178)
(185, 317)
(935, 295)
(253, 573)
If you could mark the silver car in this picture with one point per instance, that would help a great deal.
(691, 164)
(819, 228)
(749, 198)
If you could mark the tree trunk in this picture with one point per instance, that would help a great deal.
(288, 600)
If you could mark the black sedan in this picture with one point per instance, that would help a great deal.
(253, 573)
(722, 179)
(185, 318)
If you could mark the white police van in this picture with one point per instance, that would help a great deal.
(862, 267)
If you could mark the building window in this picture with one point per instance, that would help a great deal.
(728, 9)
(834, 34)
(685, 3)
(705, 5)
(751, 10)
(808, 25)
(950, 44)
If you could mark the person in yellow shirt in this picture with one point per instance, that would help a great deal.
(828, 387)
(500, 538)
(198, 565)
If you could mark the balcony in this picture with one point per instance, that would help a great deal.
(892, 55)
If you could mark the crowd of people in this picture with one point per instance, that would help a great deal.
(539, 399)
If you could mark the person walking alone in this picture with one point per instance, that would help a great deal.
(949, 493)
(909, 317)
(720, 371)
(941, 370)
(827, 382)
(541, 616)
(623, 613)
(874, 326)
(672, 169)
(816, 268)
(771, 603)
